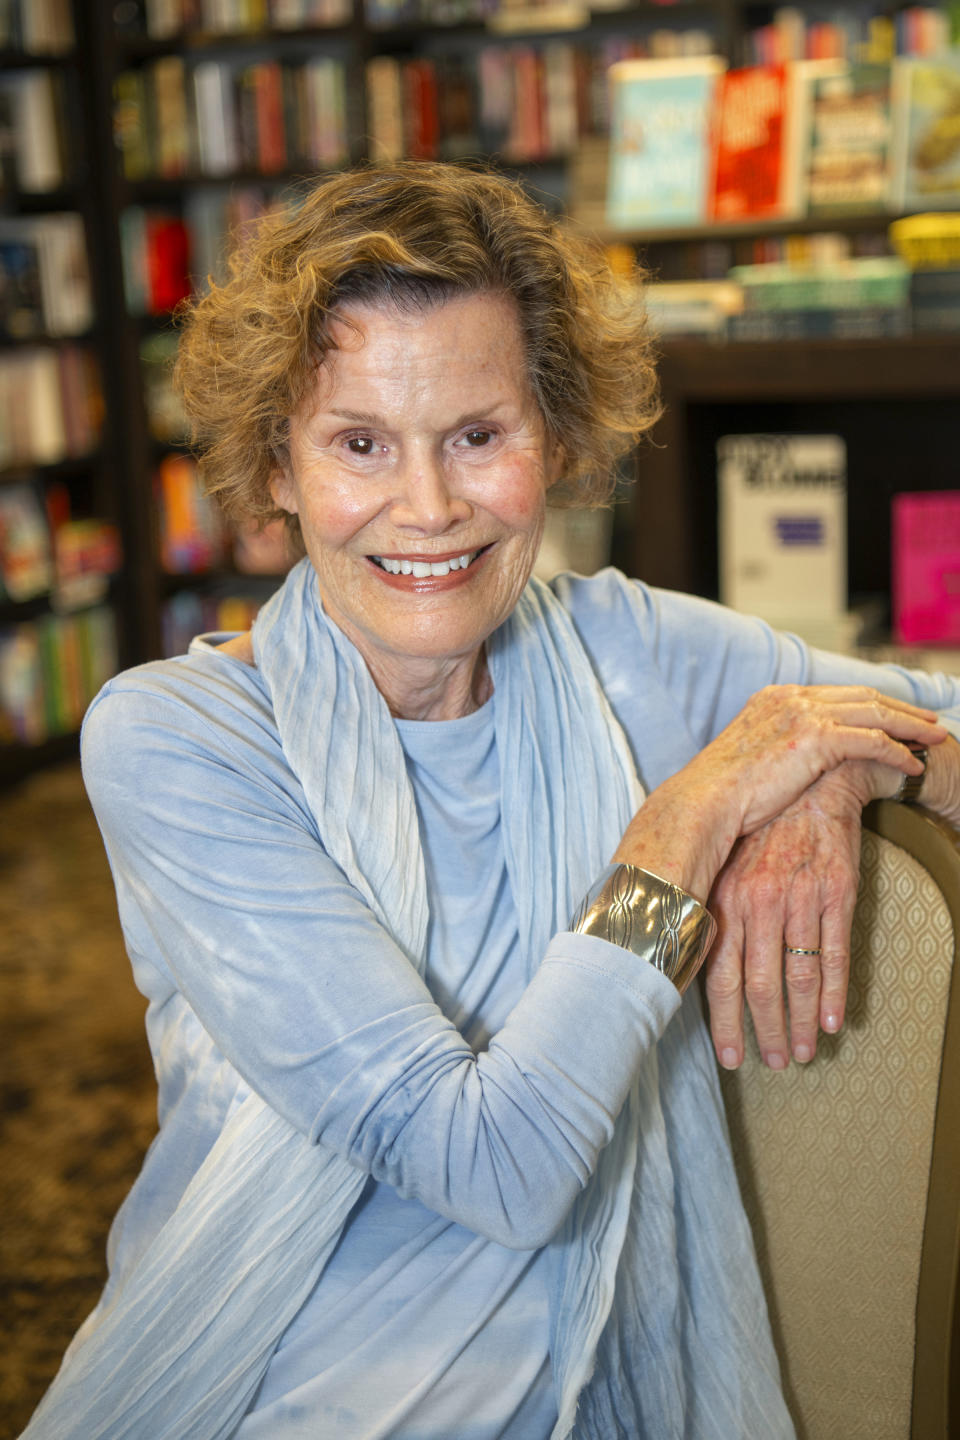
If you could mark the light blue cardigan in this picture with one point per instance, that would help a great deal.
(653, 1270)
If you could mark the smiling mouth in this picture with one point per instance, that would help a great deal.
(426, 569)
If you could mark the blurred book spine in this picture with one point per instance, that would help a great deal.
(51, 405)
(37, 27)
(44, 277)
(32, 106)
(50, 670)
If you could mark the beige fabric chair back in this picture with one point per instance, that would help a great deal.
(850, 1166)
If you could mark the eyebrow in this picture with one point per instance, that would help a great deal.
(362, 417)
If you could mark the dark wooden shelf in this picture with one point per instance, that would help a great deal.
(28, 60)
(134, 49)
(25, 471)
(894, 402)
(223, 581)
(925, 365)
(849, 222)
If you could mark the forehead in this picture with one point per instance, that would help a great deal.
(470, 337)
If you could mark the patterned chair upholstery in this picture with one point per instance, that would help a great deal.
(850, 1166)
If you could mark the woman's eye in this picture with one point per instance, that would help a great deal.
(361, 445)
(478, 437)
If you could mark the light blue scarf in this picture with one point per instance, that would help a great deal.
(642, 1290)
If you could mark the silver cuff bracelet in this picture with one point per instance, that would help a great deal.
(652, 918)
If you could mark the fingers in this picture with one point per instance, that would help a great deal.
(802, 965)
(862, 696)
(835, 926)
(724, 975)
(763, 985)
(786, 737)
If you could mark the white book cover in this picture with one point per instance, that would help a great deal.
(216, 118)
(39, 159)
(47, 434)
(783, 528)
(64, 276)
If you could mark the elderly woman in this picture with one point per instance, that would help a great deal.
(441, 1152)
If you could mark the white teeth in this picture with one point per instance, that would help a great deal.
(421, 569)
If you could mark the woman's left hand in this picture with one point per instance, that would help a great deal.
(791, 883)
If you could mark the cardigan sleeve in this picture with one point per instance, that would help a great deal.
(677, 669)
(226, 896)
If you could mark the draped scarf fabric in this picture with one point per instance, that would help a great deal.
(178, 1352)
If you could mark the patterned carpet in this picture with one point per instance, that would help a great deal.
(77, 1095)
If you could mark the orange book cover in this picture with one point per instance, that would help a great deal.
(271, 138)
(421, 102)
(748, 160)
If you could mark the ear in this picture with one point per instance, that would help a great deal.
(283, 490)
(556, 460)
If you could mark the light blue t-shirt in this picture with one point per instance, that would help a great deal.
(421, 1328)
(260, 961)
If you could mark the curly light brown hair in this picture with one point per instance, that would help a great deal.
(411, 234)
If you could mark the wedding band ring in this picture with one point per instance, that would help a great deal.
(800, 950)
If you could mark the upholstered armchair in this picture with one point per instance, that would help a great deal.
(850, 1166)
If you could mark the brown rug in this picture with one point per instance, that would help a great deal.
(77, 1094)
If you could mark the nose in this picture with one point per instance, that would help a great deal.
(426, 497)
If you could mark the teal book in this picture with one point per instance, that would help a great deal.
(660, 138)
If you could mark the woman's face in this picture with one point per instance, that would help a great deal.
(419, 469)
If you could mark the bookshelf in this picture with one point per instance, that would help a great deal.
(60, 527)
(154, 187)
(894, 401)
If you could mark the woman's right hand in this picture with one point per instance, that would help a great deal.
(782, 741)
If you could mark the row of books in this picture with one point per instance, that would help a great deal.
(50, 670)
(217, 117)
(34, 146)
(195, 538)
(853, 34)
(45, 551)
(44, 276)
(692, 142)
(223, 608)
(518, 102)
(852, 299)
(175, 19)
(168, 19)
(168, 253)
(790, 35)
(37, 27)
(51, 405)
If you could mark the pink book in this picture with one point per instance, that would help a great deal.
(926, 568)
